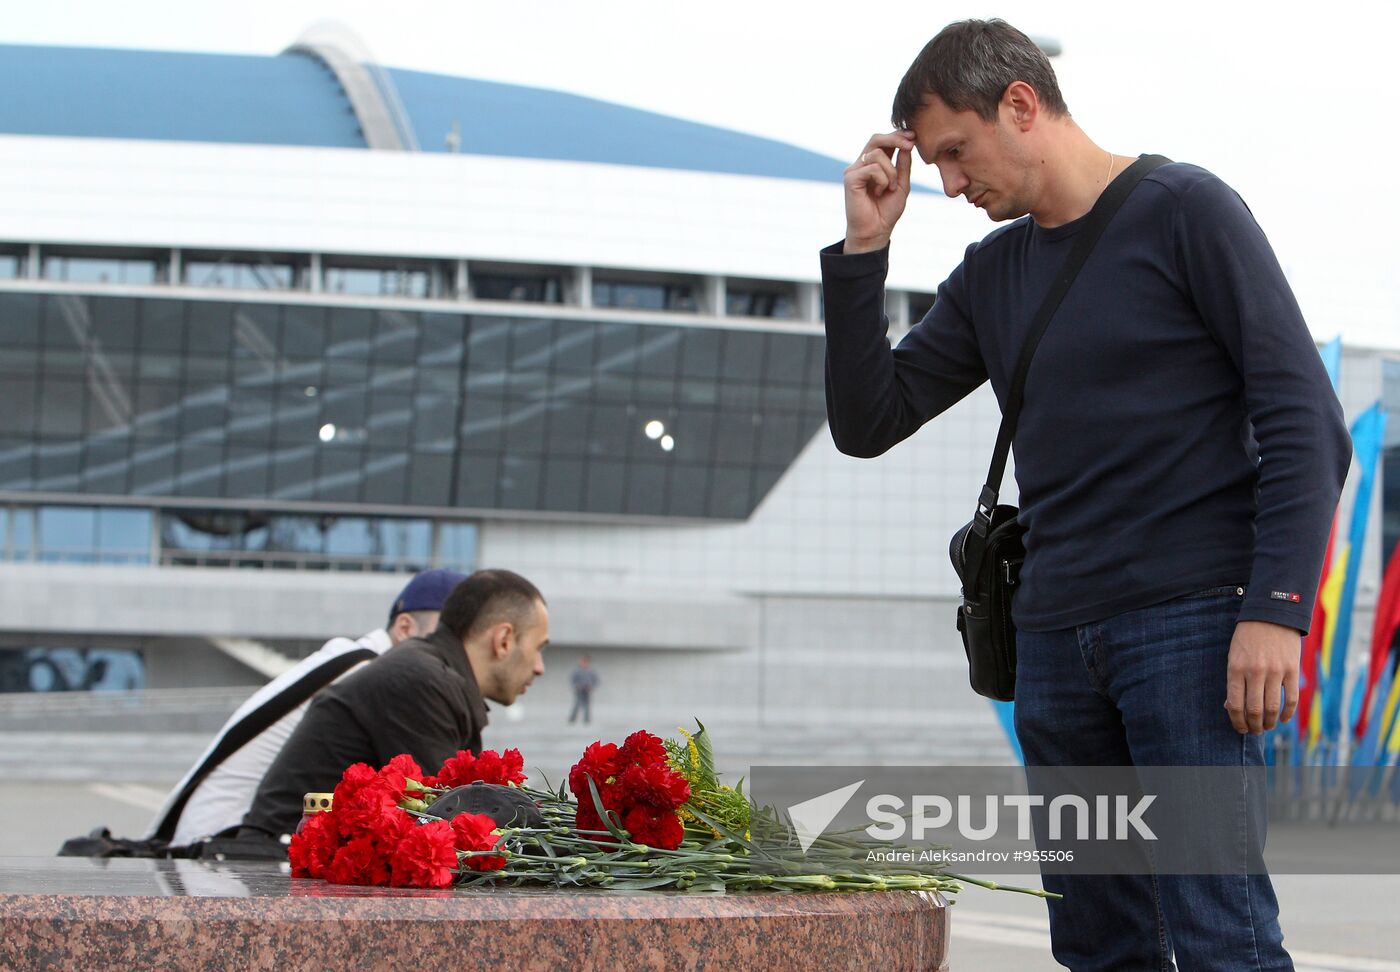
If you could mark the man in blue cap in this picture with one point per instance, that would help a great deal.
(218, 790)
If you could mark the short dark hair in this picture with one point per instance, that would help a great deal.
(969, 66)
(489, 597)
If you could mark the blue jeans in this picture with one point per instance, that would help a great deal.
(1146, 688)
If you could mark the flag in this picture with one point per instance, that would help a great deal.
(1312, 649)
(1006, 715)
(1307, 721)
(1371, 749)
(1382, 635)
(1366, 436)
(1330, 597)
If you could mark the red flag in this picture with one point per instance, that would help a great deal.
(1382, 633)
(1312, 644)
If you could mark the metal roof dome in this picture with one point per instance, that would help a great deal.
(301, 97)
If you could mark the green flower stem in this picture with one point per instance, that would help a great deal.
(994, 886)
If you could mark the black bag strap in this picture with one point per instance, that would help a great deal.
(256, 722)
(1099, 217)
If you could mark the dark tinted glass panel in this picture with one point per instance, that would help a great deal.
(430, 479)
(689, 488)
(209, 328)
(647, 488)
(19, 320)
(385, 477)
(162, 325)
(18, 404)
(731, 492)
(106, 467)
(477, 477)
(114, 322)
(606, 488)
(237, 402)
(701, 355)
(563, 484)
(304, 331)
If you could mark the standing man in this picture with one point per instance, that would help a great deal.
(584, 680)
(218, 790)
(425, 697)
(1170, 568)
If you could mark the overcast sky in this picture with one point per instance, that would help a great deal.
(1291, 104)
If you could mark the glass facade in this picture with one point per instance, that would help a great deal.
(229, 401)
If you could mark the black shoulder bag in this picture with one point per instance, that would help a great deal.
(988, 552)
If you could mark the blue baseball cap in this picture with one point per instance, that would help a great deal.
(426, 592)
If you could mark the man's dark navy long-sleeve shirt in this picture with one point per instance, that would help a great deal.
(1178, 347)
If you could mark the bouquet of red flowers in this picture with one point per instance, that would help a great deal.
(650, 813)
(375, 834)
(636, 785)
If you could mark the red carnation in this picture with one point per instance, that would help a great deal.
(311, 850)
(426, 858)
(404, 765)
(654, 784)
(599, 761)
(354, 779)
(361, 861)
(458, 770)
(477, 832)
(654, 827)
(642, 747)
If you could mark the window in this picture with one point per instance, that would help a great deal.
(257, 274)
(105, 270)
(537, 288)
(457, 546)
(397, 281)
(772, 299)
(233, 539)
(93, 535)
(641, 295)
(11, 266)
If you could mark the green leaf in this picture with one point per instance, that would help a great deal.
(604, 814)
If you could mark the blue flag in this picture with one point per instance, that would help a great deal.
(1006, 714)
(1367, 433)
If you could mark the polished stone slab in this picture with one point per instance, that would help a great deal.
(74, 913)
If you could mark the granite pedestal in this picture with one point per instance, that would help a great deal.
(73, 913)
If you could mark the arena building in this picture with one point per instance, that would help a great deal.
(278, 330)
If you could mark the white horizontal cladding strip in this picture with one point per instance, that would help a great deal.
(238, 605)
(649, 619)
(175, 601)
(199, 195)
